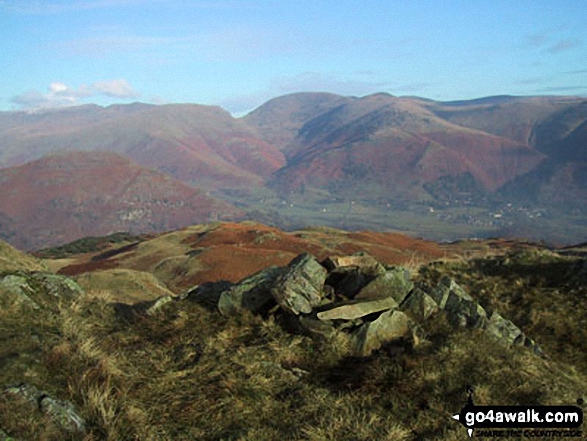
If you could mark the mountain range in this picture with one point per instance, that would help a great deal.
(493, 164)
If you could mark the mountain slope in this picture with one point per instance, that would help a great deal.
(201, 145)
(70, 195)
(398, 144)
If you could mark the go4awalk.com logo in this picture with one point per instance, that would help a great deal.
(521, 421)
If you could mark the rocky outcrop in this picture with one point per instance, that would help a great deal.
(60, 412)
(458, 305)
(419, 305)
(300, 287)
(389, 326)
(394, 283)
(252, 293)
(357, 297)
(38, 290)
(508, 333)
(207, 294)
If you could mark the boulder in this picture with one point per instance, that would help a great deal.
(394, 283)
(509, 334)
(299, 287)
(158, 304)
(459, 306)
(61, 412)
(354, 309)
(59, 286)
(389, 326)
(419, 305)
(207, 294)
(252, 293)
(16, 290)
(504, 330)
(364, 262)
(309, 325)
(36, 290)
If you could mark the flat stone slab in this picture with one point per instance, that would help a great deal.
(354, 309)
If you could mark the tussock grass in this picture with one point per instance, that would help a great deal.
(190, 374)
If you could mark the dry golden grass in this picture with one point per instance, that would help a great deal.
(123, 285)
(190, 374)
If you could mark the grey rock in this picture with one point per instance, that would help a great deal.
(354, 309)
(59, 286)
(315, 328)
(394, 283)
(17, 290)
(366, 263)
(36, 290)
(504, 330)
(252, 293)
(389, 326)
(509, 334)
(419, 305)
(28, 392)
(207, 294)
(61, 412)
(299, 288)
(459, 306)
(158, 304)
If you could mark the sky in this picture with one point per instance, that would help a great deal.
(239, 54)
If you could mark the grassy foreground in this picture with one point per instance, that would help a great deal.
(187, 373)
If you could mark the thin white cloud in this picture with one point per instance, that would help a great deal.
(60, 95)
(119, 88)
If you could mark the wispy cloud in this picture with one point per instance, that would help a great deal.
(539, 39)
(563, 45)
(59, 94)
(550, 41)
(576, 72)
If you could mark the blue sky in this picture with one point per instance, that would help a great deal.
(238, 54)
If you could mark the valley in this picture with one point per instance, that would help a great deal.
(492, 167)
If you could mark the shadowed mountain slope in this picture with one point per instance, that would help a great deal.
(70, 195)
